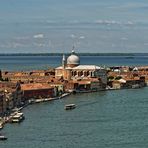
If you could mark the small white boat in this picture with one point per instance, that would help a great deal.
(70, 106)
(2, 137)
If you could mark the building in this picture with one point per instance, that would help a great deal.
(37, 91)
(127, 83)
(29, 76)
(59, 88)
(87, 85)
(72, 70)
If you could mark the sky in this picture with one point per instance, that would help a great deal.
(51, 26)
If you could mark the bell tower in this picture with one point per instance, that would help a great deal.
(63, 61)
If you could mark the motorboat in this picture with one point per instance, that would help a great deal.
(70, 106)
(2, 137)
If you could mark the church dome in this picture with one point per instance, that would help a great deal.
(73, 59)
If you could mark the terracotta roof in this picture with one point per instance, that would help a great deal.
(35, 86)
(84, 82)
(132, 79)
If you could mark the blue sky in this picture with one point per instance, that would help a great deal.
(90, 25)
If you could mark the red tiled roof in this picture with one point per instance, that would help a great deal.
(35, 86)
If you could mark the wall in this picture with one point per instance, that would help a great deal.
(38, 93)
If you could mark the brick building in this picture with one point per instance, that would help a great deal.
(37, 91)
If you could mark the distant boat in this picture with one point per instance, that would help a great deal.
(2, 137)
(70, 106)
(129, 57)
(18, 117)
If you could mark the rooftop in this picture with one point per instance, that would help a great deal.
(35, 86)
(82, 67)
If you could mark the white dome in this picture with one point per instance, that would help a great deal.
(73, 59)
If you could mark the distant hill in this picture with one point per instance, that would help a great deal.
(81, 54)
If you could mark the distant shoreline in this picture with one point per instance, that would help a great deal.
(80, 54)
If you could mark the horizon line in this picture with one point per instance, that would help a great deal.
(79, 53)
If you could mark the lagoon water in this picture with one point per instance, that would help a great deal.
(106, 119)
(44, 62)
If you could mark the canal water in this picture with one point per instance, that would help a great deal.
(105, 119)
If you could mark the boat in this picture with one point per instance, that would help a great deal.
(18, 117)
(2, 137)
(70, 106)
(1, 125)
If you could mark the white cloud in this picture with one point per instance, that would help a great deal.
(12, 45)
(36, 36)
(129, 23)
(107, 22)
(124, 38)
(82, 37)
(21, 38)
(73, 36)
(113, 22)
(146, 44)
(39, 44)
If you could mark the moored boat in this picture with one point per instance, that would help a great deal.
(1, 122)
(18, 117)
(1, 125)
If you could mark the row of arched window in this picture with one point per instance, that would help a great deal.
(83, 73)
